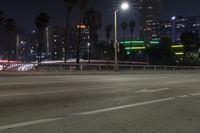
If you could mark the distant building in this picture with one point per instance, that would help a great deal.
(85, 41)
(149, 11)
(54, 43)
(176, 26)
(30, 46)
(9, 42)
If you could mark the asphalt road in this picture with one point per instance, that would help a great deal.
(102, 103)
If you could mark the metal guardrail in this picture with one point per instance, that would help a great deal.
(111, 67)
(61, 67)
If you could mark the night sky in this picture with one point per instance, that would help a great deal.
(24, 11)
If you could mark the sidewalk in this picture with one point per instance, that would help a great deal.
(37, 73)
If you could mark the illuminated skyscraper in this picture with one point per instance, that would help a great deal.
(149, 11)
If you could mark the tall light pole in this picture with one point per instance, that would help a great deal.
(88, 46)
(173, 20)
(124, 6)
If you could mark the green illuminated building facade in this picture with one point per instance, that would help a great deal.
(132, 46)
(178, 50)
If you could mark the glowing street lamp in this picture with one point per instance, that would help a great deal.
(173, 21)
(124, 6)
(173, 18)
(88, 44)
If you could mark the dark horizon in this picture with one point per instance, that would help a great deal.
(25, 11)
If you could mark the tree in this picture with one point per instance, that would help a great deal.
(124, 27)
(10, 25)
(82, 6)
(189, 40)
(108, 30)
(191, 47)
(165, 51)
(70, 4)
(41, 22)
(132, 25)
(153, 54)
(92, 19)
(1, 18)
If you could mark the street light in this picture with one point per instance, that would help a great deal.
(88, 44)
(173, 21)
(173, 18)
(124, 6)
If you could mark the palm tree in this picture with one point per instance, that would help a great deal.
(92, 19)
(1, 18)
(132, 25)
(70, 5)
(124, 27)
(10, 25)
(108, 30)
(41, 22)
(82, 6)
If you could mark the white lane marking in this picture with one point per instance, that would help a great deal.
(52, 92)
(152, 91)
(28, 123)
(31, 83)
(46, 82)
(183, 96)
(126, 106)
(32, 93)
(163, 77)
(187, 76)
(195, 94)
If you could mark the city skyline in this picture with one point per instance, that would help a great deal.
(16, 9)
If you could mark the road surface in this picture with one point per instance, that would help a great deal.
(102, 103)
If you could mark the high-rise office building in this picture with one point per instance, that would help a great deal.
(176, 26)
(149, 11)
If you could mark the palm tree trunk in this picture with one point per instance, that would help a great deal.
(91, 43)
(40, 47)
(78, 47)
(8, 48)
(89, 60)
(130, 47)
(123, 37)
(66, 35)
(38, 51)
(42, 44)
(79, 40)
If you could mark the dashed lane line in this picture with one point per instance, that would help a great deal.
(29, 123)
(23, 124)
(126, 106)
